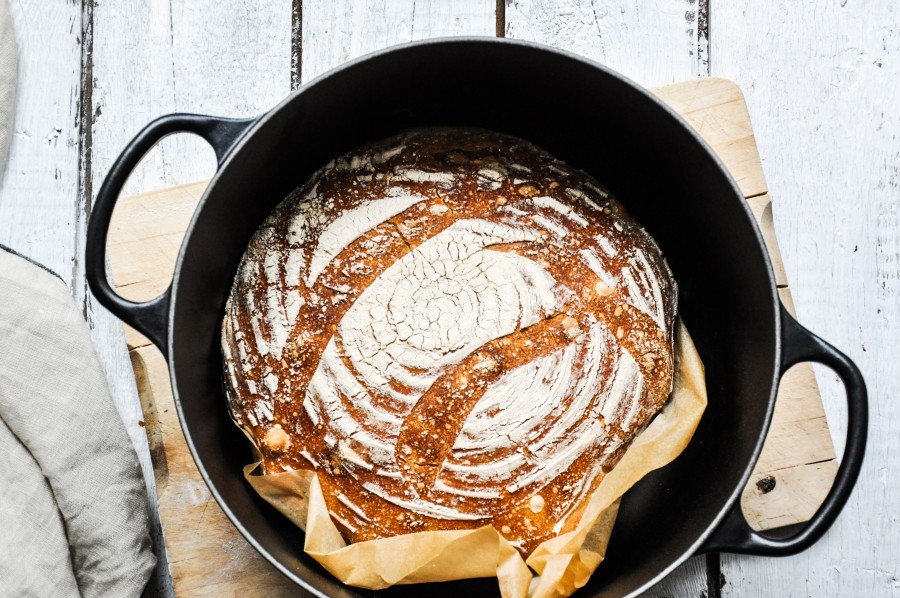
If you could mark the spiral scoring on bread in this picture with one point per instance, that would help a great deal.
(452, 355)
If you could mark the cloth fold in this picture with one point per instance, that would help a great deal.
(73, 505)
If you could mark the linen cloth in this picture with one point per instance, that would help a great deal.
(73, 504)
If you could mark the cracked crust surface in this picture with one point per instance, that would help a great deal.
(454, 329)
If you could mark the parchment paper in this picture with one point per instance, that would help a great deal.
(557, 567)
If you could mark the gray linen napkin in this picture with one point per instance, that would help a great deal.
(73, 505)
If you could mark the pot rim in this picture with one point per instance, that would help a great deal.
(264, 118)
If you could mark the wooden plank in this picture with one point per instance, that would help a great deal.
(37, 196)
(106, 330)
(340, 30)
(146, 60)
(798, 449)
(822, 82)
(654, 43)
(797, 465)
(241, 47)
(690, 579)
(223, 57)
(798, 455)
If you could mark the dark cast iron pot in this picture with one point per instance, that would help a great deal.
(594, 119)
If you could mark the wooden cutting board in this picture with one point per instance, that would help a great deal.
(209, 557)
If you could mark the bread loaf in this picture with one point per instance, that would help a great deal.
(453, 329)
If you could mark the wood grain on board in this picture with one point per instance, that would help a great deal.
(793, 474)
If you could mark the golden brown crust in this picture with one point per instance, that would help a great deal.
(388, 315)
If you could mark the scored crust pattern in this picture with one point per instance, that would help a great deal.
(454, 329)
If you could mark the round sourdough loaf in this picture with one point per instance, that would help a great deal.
(453, 329)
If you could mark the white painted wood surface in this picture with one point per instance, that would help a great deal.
(227, 58)
(39, 189)
(822, 82)
(335, 31)
(654, 43)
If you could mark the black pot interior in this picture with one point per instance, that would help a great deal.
(586, 116)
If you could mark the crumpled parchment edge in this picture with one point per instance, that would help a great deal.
(556, 568)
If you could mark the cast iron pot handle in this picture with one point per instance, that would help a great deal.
(734, 534)
(149, 317)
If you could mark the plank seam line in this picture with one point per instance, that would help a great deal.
(296, 43)
(714, 579)
(84, 193)
(703, 39)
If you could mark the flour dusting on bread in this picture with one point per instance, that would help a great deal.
(454, 329)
